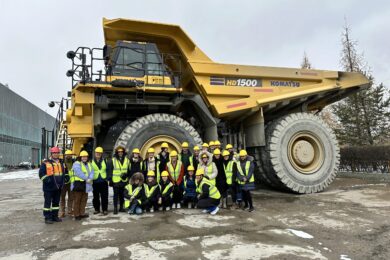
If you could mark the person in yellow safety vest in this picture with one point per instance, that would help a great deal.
(118, 175)
(82, 184)
(68, 162)
(211, 146)
(163, 156)
(246, 178)
(230, 167)
(52, 177)
(189, 196)
(195, 157)
(133, 193)
(209, 196)
(206, 163)
(152, 198)
(151, 163)
(166, 188)
(175, 169)
(100, 183)
(185, 156)
(220, 180)
(135, 162)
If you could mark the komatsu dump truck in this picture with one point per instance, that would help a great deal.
(151, 83)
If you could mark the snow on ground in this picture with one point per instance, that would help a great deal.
(85, 253)
(299, 233)
(205, 221)
(23, 256)
(96, 234)
(27, 174)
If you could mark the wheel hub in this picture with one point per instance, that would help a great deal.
(303, 153)
(156, 141)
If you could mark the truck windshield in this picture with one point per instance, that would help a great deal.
(130, 59)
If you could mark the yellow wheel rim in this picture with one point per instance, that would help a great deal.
(156, 141)
(306, 152)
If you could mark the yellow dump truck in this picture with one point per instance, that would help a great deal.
(151, 83)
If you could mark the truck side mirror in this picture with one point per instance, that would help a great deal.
(106, 54)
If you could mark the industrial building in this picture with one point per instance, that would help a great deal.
(21, 125)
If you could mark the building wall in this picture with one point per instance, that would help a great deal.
(21, 125)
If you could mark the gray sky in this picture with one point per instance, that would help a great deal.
(35, 35)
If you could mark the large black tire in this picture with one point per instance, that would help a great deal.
(291, 141)
(138, 132)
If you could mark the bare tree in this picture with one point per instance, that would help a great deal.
(306, 64)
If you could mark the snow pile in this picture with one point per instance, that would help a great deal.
(28, 174)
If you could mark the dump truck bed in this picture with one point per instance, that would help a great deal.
(231, 90)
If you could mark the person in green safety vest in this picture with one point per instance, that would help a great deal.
(209, 196)
(119, 177)
(230, 167)
(134, 193)
(152, 198)
(166, 187)
(175, 169)
(208, 166)
(82, 184)
(68, 162)
(100, 183)
(246, 179)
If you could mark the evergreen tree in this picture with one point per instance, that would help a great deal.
(364, 116)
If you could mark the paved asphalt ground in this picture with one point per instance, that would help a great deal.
(350, 220)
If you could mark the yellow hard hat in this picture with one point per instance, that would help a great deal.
(164, 174)
(211, 143)
(68, 152)
(229, 146)
(243, 153)
(184, 145)
(120, 148)
(190, 168)
(225, 153)
(217, 142)
(150, 174)
(173, 153)
(199, 172)
(164, 145)
(136, 150)
(217, 152)
(196, 148)
(83, 153)
(151, 150)
(204, 155)
(205, 145)
(99, 150)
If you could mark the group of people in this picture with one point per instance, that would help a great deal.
(205, 178)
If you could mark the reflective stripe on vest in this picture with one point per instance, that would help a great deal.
(149, 192)
(174, 172)
(229, 172)
(102, 172)
(119, 169)
(213, 191)
(53, 169)
(84, 170)
(132, 193)
(247, 166)
(167, 188)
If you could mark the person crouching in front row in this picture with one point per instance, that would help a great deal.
(190, 197)
(134, 193)
(152, 193)
(209, 196)
(166, 188)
